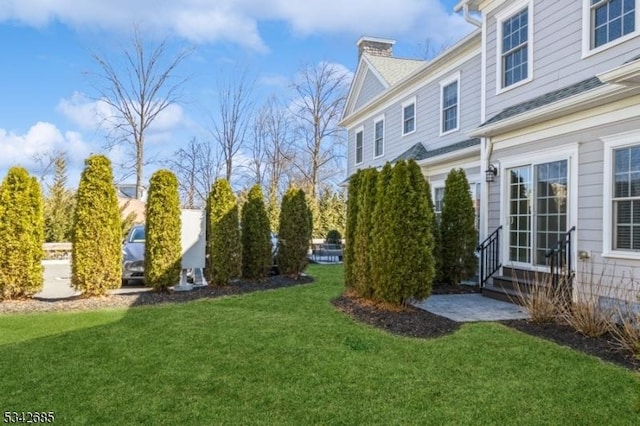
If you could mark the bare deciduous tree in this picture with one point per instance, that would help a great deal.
(235, 106)
(140, 88)
(321, 92)
(197, 167)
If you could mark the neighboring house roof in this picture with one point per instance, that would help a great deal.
(393, 69)
(419, 152)
(546, 99)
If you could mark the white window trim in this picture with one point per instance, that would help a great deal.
(377, 120)
(586, 32)
(500, 18)
(612, 142)
(444, 83)
(355, 150)
(415, 115)
(569, 153)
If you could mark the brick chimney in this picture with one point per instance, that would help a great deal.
(375, 46)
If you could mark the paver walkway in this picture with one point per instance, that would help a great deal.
(471, 307)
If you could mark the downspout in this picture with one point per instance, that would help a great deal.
(466, 14)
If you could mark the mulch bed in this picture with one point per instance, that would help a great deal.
(148, 297)
(413, 322)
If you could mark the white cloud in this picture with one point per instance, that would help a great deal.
(236, 21)
(41, 138)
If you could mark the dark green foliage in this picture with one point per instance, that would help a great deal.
(59, 205)
(294, 235)
(162, 249)
(223, 235)
(363, 283)
(333, 237)
(458, 232)
(350, 231)
(96, 260)
(382, 232)
(402, 264)
(256, 238)
(21, 234)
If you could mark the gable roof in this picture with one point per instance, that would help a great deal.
(393, 69)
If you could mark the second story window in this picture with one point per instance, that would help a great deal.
(409, 117)
(610, 20)
(378, 149)
(359, 143)
(449, 95)
(515, 48)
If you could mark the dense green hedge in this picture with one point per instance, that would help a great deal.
(223, 235)
(21, 235)
(96, 261)
(256, 236)
(350, 231)
(458, 234)
(162, 250)
(294, 235)
(363, 239)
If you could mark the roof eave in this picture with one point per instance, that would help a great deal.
(450, 156)
(627, 74)
(592, 98)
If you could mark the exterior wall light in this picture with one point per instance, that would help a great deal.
(490, 173)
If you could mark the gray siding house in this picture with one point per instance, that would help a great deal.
(548, 131)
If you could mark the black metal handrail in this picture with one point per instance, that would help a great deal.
(490, 259)
(559, 260)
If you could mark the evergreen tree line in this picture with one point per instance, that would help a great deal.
(396, 250)
(96, 233)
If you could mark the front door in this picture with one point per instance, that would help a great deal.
(537, 206)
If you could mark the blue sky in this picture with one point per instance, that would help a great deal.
(46, 94)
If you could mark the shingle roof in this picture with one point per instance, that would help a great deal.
(393, 69)
(419, 152)
(546, 99)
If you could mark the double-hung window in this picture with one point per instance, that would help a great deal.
(378, 138)
(450, 104)
(409, 117)
(611, 20)
(621, 218)
(514, 45)
(359, 145)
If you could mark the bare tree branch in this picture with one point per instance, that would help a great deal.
(139, 91)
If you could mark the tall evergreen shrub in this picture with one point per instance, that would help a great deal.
(363, 283)
(458, 232)
(256, 237)
(350, 231)
(96, 259)
(21, 235)
(162, 250)
(382, 234)
(294, 235)
(223, 235)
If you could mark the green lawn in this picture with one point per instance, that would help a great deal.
(288, 357)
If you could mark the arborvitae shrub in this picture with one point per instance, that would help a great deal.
(294, 235)
(96, 260)
(350, 232)
(403, 264)
(381, 259)
(363, 282)
(256, 237)
(223, 235)
(458, 234)
(162, 249)
(22, 235)
(333, 237)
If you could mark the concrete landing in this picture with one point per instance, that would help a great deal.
(471, 308)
